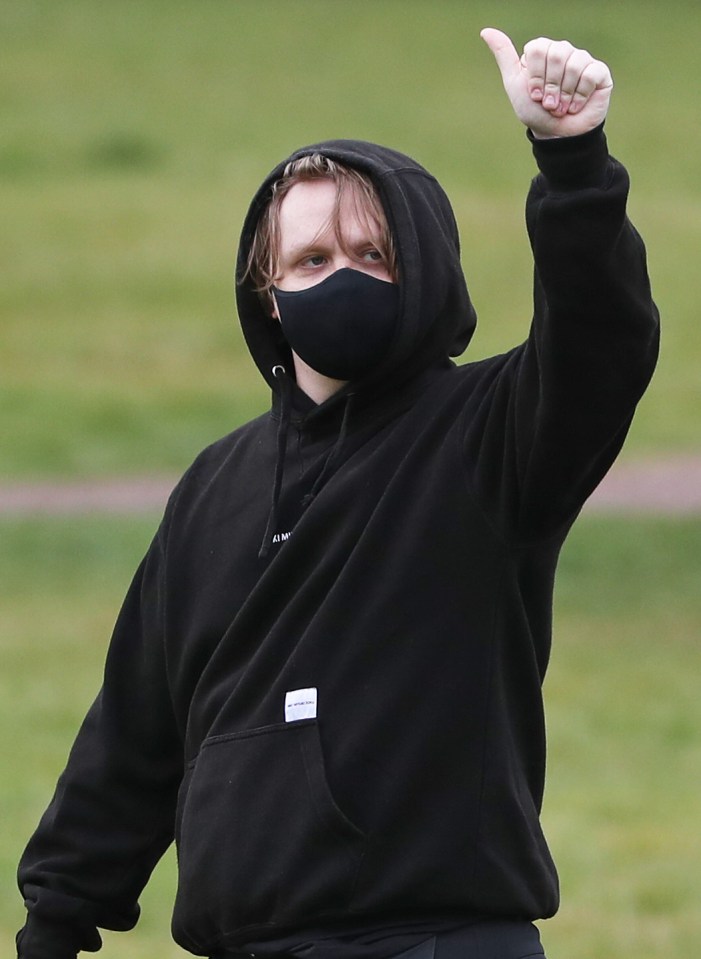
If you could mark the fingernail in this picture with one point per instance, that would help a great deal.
(549, 101)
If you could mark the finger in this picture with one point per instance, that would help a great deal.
(595, 76)
(576, 63)
(534, 61)
(503, 50)
(558, 54)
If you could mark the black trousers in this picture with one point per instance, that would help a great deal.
(483, 940)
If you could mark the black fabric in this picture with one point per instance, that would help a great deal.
(491, 940)
(479, 940)
(45, 938)
(379, 940)
(408, 574)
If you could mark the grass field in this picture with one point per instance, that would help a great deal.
(133, 135)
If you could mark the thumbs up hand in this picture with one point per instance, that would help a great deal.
(555, 89)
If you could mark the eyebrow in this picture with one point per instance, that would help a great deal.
(316, 243)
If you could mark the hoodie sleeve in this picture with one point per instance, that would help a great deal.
(565, 399)
(112, 814)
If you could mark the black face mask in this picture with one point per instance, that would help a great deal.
(343, 326)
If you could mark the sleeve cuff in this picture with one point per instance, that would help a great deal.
(573, 163)
(46, 939)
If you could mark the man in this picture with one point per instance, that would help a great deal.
(325, 681)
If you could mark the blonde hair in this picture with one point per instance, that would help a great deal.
(263, 258)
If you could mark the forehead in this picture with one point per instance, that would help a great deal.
(314, 208)
(309, 203)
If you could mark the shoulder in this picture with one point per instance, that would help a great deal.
(234, 451)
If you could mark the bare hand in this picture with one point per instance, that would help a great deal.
(554, 88)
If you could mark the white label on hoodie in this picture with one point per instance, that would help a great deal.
(300, 704)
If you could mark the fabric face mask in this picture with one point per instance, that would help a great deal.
(343, 326)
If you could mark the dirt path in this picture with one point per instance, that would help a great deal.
(664, 486)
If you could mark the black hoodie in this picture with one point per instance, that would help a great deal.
(403, 599)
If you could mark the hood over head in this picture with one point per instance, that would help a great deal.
(436, 317)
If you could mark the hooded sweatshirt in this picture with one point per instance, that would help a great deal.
(345, 726)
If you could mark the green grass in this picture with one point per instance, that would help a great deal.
(624, 717)
(134, 133)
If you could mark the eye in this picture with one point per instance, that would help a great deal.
(373, 256)
(316, 259)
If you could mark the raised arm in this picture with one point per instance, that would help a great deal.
(568, 394)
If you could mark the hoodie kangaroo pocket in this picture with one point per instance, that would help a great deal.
(261, 838)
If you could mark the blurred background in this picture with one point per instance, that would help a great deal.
(132, 136)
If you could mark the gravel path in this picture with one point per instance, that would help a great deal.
(664, 486)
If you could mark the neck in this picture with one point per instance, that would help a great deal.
(317, 387)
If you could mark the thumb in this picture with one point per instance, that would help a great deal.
(504, 51)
